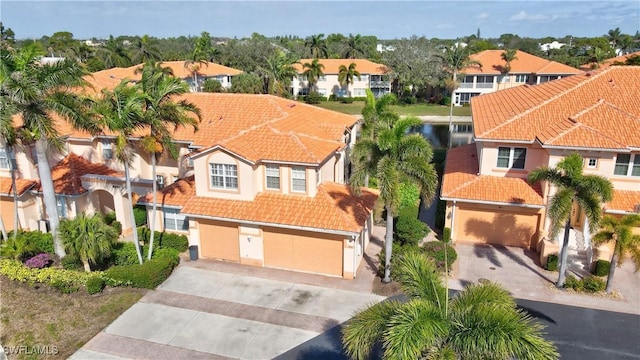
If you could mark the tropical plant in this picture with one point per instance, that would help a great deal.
(163, 114)
(313, 72)
(455, 59)
(114, 54)
(317, 46)
(346, 75)
(121, 113)
(88, 238)
(374, 113)
(614, 36)
(247, 84)
(354, 47)
(626, 243)
(17, 248)
(212, 86)
(393, 157)
(44, 95)
(589, 192)
(199, 57)
(146, 50)
(481, 322)
(508, 56)
(279, 71)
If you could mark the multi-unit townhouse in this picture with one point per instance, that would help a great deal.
(491, 75)
(595, 114)
(372, 76)
(262, 182)
(188, 72)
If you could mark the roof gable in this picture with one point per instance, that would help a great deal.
(67, 174)
(524, 63)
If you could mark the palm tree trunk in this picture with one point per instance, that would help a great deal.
(152, 224)
(612, 270)
(16, 221)
(563, 255)
(3, 229)
(195, 78)
(136, 242)
(453, 88)
(388, 247)
(49, 195)
(86, 266)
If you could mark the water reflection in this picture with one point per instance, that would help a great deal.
(439, 134)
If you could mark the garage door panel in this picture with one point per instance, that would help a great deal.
(219, 241)
(278, 250)
(506, 228)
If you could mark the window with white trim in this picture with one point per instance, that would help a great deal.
(318, 176)
(484, 81)
(504, 79)
(465, 98)
(107, 150)
(302, 77)
(273, 176)
(627, 165)
(522, 78)
(174, 220)
(322, 78)
(303, 91)
(511, 158)
(224, 176)
(298, 178)
(592, 163)
(4, 159)
(359, 92)
(160, 181)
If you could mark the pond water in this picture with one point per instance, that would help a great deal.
(439, 134)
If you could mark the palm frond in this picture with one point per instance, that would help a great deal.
(366, 328)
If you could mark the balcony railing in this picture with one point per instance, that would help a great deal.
(466, 85)
(379, 84)
(484, 85)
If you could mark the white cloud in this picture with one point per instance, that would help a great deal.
(523, 16)
(482, 16)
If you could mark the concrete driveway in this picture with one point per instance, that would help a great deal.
(206, 314)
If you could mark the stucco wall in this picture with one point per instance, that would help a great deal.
(245, 191)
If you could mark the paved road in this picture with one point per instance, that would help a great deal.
(579, 333)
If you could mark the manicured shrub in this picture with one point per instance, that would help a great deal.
(593, 284)
(39, 261)
(64, 286)
(552, 262)
(446, 101)
(17, 248)
(314, 98)
(66, 281)
(42, 242)
(148, 275)
(124, 253)
(435, 250)
(346, 100)
(410, 100)
(397, 251)
(71, 262)
(212, 86)
(446, 235)
(441, 209)
(109, 217)
(571, 282)
(602, 268)
(410, 230)
(140, 215)
(174, 241)
(94, 285)
(167, 253)
(117, 226)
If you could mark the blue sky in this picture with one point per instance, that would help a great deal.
(384, 19)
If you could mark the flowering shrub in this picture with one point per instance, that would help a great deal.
(63, 280)
(39, 261)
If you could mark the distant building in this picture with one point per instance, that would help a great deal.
(551, 45)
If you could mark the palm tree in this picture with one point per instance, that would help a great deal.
(354, 47)
(346, 75)
(280, 72)
(589, 192)
(199, 57)
(455, 59)
(121, 114)
(146, 50)
(626, 243)
(374, 114)
(40, 94)
(481, 322)
(88, 238)
(598, 56)
(317, 46)
(114, 54)
(313, 71)
(508, 56)
(163, 114)
(393, 157)
(614, 36)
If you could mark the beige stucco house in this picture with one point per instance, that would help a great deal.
(372, 76)
(492, 76)
(517, 130)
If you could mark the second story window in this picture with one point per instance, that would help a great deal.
(627, 165)
(107, 151)
(511, 158)
(224, 176)
(522, 78)
(298, 179)
(484, 81)
(592, 163)
(273, 176)
(4, 159)
(160, 181)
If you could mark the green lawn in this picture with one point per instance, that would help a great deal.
(355, 108)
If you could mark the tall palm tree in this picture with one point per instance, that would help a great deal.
(121, 114)
(40, 94)
(481, 322)
(508, 56)
(146, 50)
(626, 243)
(376, 114)
(280, 71)
(354, 47)
(313, 71)
(199, 57)
(346, 75)
(589, 192)
(114, 54)
(163, 114)
(614, 36)
(88, 238)
(393, 157)
(455, 59)
(317, 46)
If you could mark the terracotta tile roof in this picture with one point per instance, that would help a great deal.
(462, 182)
(525, 63)
(334, 207)
(609, 62)
(176, 194)
(109, 78)
(332, 66)
(67, 174)
(22, 184)
(624, 200)
(593, 110)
